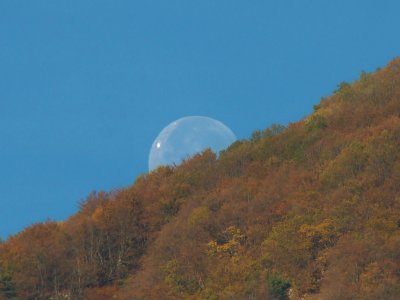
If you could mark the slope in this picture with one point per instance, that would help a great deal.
(309, 211)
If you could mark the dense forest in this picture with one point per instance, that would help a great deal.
(307, 211)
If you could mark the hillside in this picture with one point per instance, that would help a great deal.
(311, 211)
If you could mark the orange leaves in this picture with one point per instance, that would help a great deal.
(98, 215)
(319, 208)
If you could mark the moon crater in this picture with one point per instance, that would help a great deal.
(187, 136)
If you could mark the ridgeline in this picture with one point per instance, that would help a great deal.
(311, 211)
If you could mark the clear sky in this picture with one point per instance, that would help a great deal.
(86, 86)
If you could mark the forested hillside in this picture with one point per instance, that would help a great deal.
(311, 211)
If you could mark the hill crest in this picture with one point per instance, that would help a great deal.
(311, 211)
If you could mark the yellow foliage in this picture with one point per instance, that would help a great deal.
(321, 235)
(231, 246)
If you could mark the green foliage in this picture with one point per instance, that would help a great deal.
(178, 283)
(315, 122)
(346, 92)
(7, 286)
(364, 77)
(169, 208)
(342, 86)
(349, 163)
(274, 130)
(278, 286)
(256, 136)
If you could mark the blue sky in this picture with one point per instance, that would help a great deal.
(86, 86)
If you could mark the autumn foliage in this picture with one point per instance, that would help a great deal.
(311, 211)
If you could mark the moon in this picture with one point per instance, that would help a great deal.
(187, 136)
